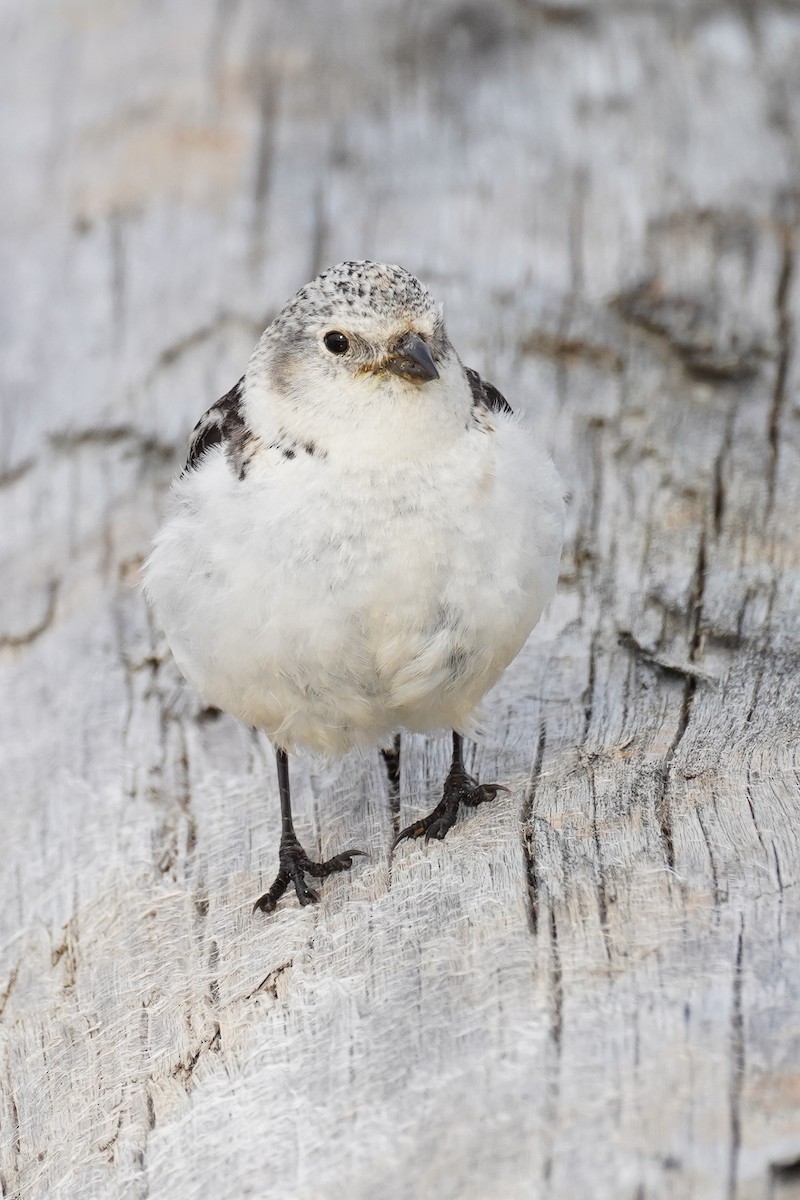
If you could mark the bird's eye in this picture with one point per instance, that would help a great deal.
(336, 342)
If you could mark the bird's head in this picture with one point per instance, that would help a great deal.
(361, 351)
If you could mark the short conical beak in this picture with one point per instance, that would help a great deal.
(412, 360)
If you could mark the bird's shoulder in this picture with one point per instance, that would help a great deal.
(223, 424)
(486, 394)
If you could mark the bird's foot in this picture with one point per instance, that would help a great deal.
(294, 864)
(460, 788)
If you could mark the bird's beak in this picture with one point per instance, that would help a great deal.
(412, 359)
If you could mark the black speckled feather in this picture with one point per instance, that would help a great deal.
(486, 393)
(222, 424)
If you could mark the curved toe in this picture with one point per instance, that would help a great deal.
(459, 789)
(294, 866)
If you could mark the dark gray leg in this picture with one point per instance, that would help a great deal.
(459, 788)
(293, 861)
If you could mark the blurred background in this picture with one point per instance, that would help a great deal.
(606, 196)
(174, 172)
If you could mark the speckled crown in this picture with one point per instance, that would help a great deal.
(364, 289)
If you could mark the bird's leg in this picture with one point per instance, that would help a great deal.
(293, 862)
(391, 761)
(459, 788)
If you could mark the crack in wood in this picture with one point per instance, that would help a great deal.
(737, 1053)
(781, 885)
(68, 441)
(578, 16)
(685, 670)
(174, 838)
(751, 807)
(783, 319)
(29, 636)
(761, 663)
(269, 983)
(555, 1035)
(108, 1145)
(183, 793)
(718, 495)
(602, 894)
(68, 950)
(557, 985)
(12, 475)
(118, 626)
(6, 993)
(663, 808)
(528, 841)
(175, 351)
(587, 697)
(185, 1070)
(213, 967)
(684, 326)
(16, 1137)
(569, 349)
(712, 864)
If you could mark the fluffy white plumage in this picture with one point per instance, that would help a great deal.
(355, 549)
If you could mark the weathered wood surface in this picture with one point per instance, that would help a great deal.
(593, 988)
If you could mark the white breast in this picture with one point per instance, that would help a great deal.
(331, 606)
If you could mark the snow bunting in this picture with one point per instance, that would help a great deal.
(361, 540)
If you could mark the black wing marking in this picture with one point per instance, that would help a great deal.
(222, 424)
(486, 393)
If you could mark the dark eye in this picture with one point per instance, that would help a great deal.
(336, 342)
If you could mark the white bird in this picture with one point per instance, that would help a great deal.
(361, 540)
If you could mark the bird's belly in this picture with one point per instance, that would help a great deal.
(332, 666)
(340, 623)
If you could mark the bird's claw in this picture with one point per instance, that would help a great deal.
(484, 792)
(417, 829)
(459, 789)
(339, 862)
(294, 866)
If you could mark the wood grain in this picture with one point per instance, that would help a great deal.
(592, 988)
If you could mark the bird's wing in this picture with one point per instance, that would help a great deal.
(486, 393)
(222, 424)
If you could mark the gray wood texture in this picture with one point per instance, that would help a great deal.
(592, 987)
